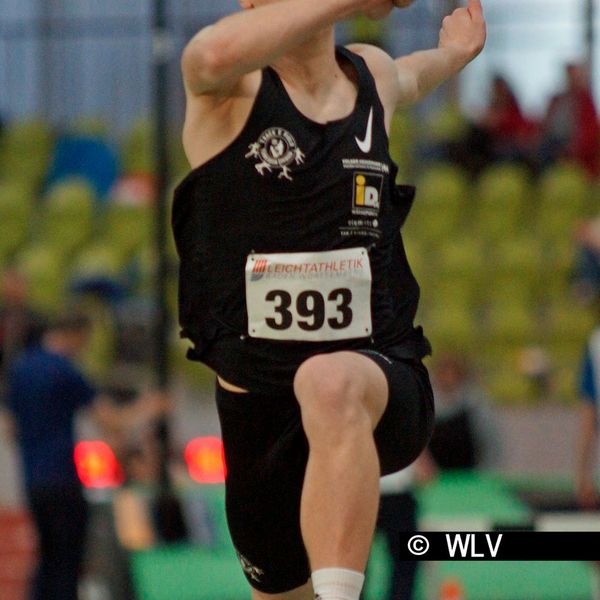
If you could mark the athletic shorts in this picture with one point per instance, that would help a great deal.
(266, 452)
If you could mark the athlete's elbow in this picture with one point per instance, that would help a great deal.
(200, 65)
(207, 61)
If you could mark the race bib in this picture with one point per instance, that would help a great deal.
(309, 296)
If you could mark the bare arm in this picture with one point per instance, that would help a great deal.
(462, 38)
(587, 494)
(246, 41)
(114, 419)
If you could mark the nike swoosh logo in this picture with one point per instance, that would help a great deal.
(365, 145)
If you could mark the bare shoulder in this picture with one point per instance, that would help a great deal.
(214, 119)
(380, 63)
(384, 71)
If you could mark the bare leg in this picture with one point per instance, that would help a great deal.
(302, 593)
(342, 397)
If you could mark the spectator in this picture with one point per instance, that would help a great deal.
(570, 128)
(586, 489)
(19, 324)
(465, 435)
(586, 268)
(511, 134)
(45, 390)
(586, 471)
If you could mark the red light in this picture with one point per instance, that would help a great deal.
(97, 466)
(205, 460)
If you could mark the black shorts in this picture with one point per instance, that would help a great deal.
(266, 452)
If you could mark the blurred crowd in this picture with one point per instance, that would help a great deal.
(569, 129)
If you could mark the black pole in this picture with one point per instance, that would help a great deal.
(590, 33)
(169, 518)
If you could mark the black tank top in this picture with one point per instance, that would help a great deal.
(287, 184)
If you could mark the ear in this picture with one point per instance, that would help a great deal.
(246, 4)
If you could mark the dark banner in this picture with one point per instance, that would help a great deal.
(499, 545)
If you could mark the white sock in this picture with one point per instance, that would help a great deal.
(337, 584)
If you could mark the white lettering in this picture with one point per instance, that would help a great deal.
(458, 543)
(493, 549)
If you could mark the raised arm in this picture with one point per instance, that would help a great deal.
(246, 41)
(462, 38)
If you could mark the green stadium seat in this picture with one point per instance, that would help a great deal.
(559, 255)
(451, 326)
(567, 184)
(418, 256)
(508, 387)
(68, 217)
(138, 150)
(16, 205)
(442, 195)
(503, 289)
(518, 256)
(98, 358)
(25, 150)
(127, 227)
(97, 260)
(43, 265)
(89, 126)
(568, 322)
(504, 194)
(402, 134)
(512, 323)
(565, 197)
(448, 291)
(447, 125)
(461, 257)
(193, 373)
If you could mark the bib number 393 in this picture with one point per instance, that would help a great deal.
(316, 296)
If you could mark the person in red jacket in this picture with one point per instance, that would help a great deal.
(511, 132)
(571, 129)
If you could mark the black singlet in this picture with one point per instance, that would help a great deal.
(287, 184)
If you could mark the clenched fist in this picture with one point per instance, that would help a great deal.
(463, 32)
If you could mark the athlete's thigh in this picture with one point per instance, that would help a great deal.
(302, 593)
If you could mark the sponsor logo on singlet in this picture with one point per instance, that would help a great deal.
(276, 149)
(365, 143)
(366, 193)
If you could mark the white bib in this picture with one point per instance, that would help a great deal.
(309, 296)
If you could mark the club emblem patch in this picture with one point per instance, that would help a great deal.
(276, 149)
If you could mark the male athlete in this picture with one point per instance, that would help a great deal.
(294, 284)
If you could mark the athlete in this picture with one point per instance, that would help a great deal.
(294, 284)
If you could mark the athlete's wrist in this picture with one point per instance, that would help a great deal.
(456, 58)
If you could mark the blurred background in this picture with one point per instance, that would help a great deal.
(504, 239)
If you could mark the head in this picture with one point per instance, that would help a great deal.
(576, 76)
(68, 334)
(13, 287)
(500, 87)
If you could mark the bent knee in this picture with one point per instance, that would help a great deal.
(329, 393)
